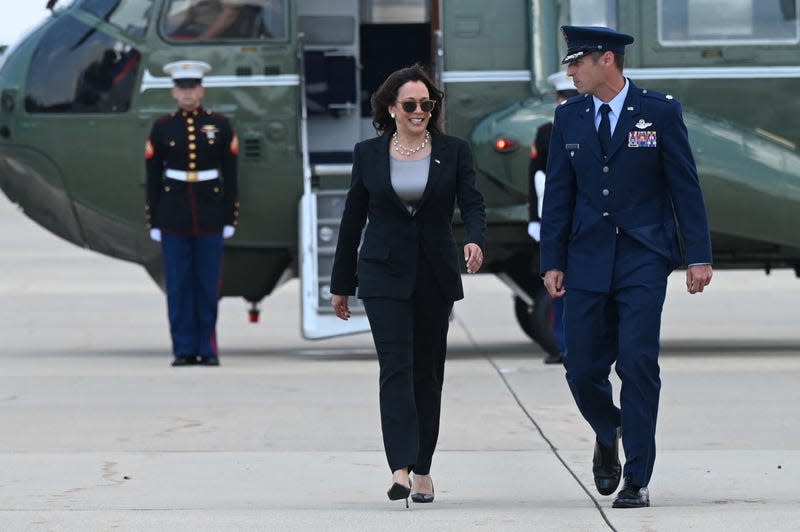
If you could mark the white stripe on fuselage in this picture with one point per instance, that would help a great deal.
(758, 72)
(468, 76)
(150, 81)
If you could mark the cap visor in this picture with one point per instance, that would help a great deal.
(187, 83)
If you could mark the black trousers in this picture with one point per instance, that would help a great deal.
(411, 340)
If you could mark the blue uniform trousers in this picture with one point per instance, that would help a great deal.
(622, 327)
(192, 268)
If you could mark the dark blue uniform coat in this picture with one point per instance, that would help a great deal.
(639, 189)
(616, 227)
(198, 140)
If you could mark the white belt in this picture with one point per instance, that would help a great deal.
(192, 176)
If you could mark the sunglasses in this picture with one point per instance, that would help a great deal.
(410, 106)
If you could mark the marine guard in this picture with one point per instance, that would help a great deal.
(192, 205)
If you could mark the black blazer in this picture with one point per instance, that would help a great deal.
(386, 265)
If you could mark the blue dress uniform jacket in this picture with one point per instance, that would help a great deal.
(192, 142)
(590, 200)
(387, 263)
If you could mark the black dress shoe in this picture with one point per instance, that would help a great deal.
(423, 497)
(554, 358)
(210, 360)
(398, 492)
(632, 496)
(189, 360)
(606, 467)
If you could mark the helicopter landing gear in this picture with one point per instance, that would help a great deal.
(536, 321)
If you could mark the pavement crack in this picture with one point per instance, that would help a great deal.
(536, 425)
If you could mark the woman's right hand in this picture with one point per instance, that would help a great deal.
(340, 306)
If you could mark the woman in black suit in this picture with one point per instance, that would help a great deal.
(406, 183)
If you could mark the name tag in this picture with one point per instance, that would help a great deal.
(572, 148)
(642, 139)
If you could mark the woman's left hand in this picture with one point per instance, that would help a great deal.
(473, 256)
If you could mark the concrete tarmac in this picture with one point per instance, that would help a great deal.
(98, 433)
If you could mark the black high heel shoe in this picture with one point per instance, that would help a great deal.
(398, 491)
(423, 497)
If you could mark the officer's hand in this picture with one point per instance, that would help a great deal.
(554, 282)
(341, 307)
(155, 235)
(535, 230)
(228, 231)
(698, 277)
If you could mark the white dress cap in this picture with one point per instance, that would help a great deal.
(187, 69)
(561, 81)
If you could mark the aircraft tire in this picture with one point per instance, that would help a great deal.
(536, 321)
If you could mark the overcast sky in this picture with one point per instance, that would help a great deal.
(18, 16)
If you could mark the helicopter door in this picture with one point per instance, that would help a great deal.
(349, 47)
(331, 120)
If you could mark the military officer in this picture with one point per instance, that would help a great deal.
(623, 209)
(191, 207)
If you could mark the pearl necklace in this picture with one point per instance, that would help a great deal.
(408, 152)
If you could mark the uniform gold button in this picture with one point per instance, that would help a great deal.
(192, 146)
(192, 137)
(192, 166)
(190, 129)
(193, 156)
(216, 189)
(211, 141)
(166, 189)
(172, 143)
(190, 120)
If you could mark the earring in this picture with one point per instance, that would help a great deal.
(392, 115)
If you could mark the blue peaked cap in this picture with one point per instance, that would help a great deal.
(583, 40)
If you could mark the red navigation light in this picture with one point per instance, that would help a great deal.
(253, 313)
(505, 145)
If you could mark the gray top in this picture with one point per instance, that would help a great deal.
(409, 179)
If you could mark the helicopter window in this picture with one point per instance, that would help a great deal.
(395, 11)
(77, 69)
(693, 22)
(593, 13)
(215, 20)
(131, 16)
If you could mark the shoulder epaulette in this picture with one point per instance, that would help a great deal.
(647, 93)
(575, 99)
